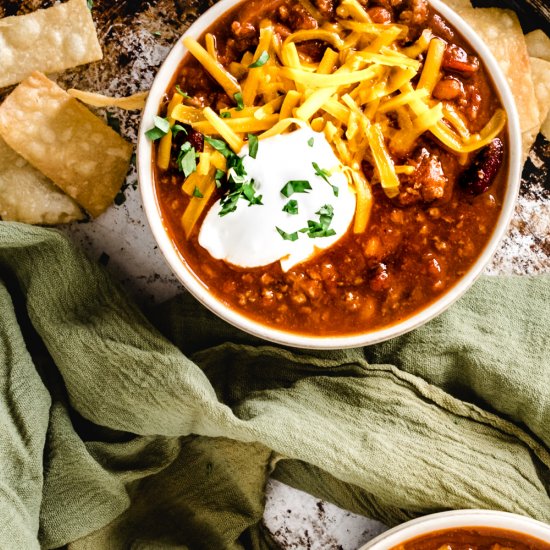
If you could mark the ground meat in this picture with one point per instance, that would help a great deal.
(415, 14)
(297, 17)
(390, 5)
(249, 12)
(441, 29)
(326, 7)
(471, 103)
(449, 88)
(380, 15)
(457, 60)
(242, 30)
(427, 183)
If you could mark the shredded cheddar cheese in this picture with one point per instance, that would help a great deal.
(360, 95)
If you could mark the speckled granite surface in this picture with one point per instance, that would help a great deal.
(136, 36)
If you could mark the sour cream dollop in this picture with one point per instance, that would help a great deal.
(248, 237)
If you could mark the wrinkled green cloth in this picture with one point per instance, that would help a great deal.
(115, 434)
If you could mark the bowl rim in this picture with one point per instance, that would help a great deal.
(200, 291)
(459, 519)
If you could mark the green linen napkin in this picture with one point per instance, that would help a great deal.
(115, 434)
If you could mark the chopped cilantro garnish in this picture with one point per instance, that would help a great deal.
(239, 100)
(197, 193)
(311, 141)
(287, 236)
(291, 207)
(90, 4)
(225, 114)
(219, 174)
(187, 159)
(262, 60)
(252, 145)
(178, 128)
(157, 34)
(295, 186)
(241, 186)
(320, 228)
(219, 145)
(181, 92)
(160, 129)
(250, 193)
(325, 174)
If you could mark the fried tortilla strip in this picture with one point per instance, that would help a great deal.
(65, 141)
(49, 40)
(129, 103)
(28, 196)
(501, 31)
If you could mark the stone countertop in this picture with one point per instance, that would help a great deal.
(136, 36)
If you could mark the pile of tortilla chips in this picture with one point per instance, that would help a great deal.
(56, 157)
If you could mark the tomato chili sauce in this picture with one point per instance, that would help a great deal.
(416, 246)
(474, 538)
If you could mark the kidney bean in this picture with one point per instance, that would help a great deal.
(456, 59)
(448, 88)
(482, 172)
(380, 15)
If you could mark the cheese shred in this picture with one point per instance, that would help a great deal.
(361, 94)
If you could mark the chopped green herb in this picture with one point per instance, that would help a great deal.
(187, 159)
(157, 34)
(241, 186)
(176, 129)
(262, 60)
(160, 129)
(219, 174)
(252, 145)
(295, 186)
(250, 193)
(225, 114)
(311, 141)
(239, 100)
(197, 193)
(287, 236)
(181, 92)
(325, 174)
(90, 4)
(291, 207)
(320, 228)
(220, 146)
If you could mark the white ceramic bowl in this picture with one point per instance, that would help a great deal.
(199, 290)
(456, 519)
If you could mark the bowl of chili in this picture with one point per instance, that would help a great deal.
(472, 529)
(433, 193)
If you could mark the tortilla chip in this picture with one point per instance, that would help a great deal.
(541, 77)
(28, 196)
(538, 44)
(545, 128)
(458, 5)
(49, 40)
(65, 141)
(540, 69)
(501, 31)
